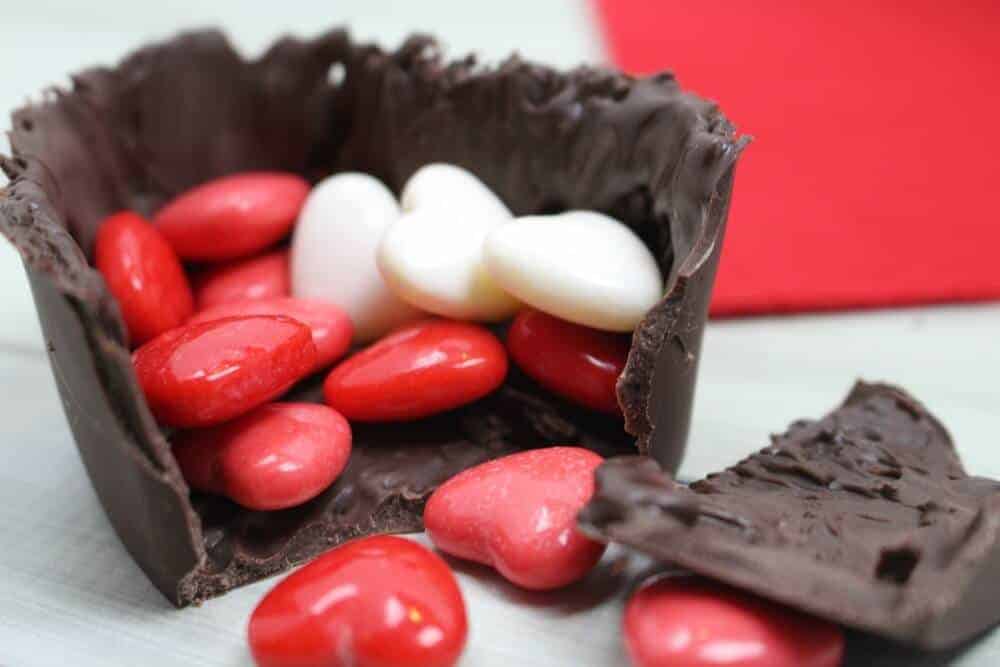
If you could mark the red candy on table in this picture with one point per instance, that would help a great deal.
(206, 373)
(418, 370)
(331, 327)
(144, 275)
(379, 601)
(263, 277)
(233, 216)
(575, 361)
(518, 515)
(276, 456)
(689, 622)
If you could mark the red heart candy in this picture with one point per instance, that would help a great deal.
(416, 371)
(331, 327)
(262, 277)
(233, 216)
(276, 456)
(376, 602)
(688, 622)
(518, 515)
(144, 275)
(206, 373)
(578, 362)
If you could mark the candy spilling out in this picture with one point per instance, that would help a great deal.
(377, 601)
(687, 622)
(518, 515)
(411, 284)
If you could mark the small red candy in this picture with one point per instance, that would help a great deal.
(688, 622)
(263, 277)
(518, 515)
(375, 602)
(207, 373)
(416, 371)
(233, 216)
(144, 275)
(277, 456)
(578, 362)
(331, 327)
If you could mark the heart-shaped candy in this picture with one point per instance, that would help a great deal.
(331, 328)
(233, 216)
(207, 373)
(680, 621)
(144, 274)
(379, 601)
(578, 362)
(580, 266)
(277, 456)
(259, 277)
(418, 370)
(518, 515)
(432, 257)
(333, 252)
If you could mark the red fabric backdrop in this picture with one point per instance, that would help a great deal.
(872, 178)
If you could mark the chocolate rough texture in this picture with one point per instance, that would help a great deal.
(865, 517)
(175, 114)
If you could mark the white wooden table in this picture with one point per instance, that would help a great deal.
(70, 595)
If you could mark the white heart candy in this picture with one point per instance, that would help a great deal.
(333, 252)
(581, 266)
(432, 257)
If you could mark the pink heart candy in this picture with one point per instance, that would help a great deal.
(518, 515)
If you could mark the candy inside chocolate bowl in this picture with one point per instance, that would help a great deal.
(180, 113)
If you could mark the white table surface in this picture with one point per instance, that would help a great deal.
(69, 593)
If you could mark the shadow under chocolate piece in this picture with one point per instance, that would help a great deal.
(865, 517)
(176, 114)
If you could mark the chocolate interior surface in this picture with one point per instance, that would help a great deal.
(865, 517)
(176, 114)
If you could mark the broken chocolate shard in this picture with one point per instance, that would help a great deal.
(865, 517)
(176, 114)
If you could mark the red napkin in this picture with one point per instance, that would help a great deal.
(871, 180)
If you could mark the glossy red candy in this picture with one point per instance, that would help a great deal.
(276, 456)
(263, 277)
(418, 370)
(144, 275)
(375, 602)
(688, 622)
(518, 515)
(206, 373)
(578, 362)
(233, 216)
(331, 327)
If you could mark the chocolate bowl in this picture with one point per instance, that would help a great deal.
(178, 113)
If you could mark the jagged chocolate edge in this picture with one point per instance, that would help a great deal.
(190, 109)
(865, 517)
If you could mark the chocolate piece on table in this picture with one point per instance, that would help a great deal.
(179, 113)
(865, 517)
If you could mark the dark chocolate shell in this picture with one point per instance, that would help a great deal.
(865, 517)
(175, 114)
